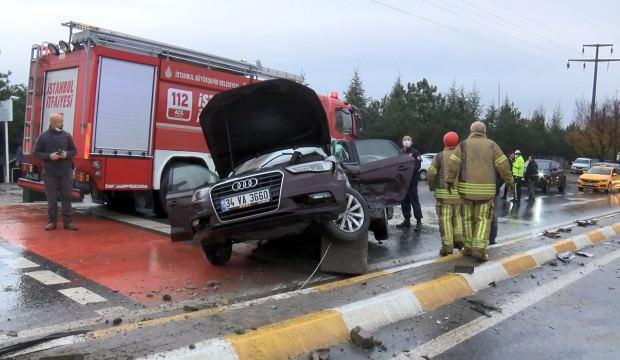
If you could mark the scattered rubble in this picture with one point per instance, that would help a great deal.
(565, 257)
(117, 321)
(483, 305)
(553, 234)
(586, 222)
(12, 333)
(192, 346)
(320, 354)
(362, 338)
(189, 308)
(584, 254)
(214, 285)
(166, 297)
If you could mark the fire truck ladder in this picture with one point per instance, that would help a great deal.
(35, 54)
(104, 37)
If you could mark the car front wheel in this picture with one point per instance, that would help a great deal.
(353, 221)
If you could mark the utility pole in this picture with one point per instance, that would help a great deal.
(596, 60)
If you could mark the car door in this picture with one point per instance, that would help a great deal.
(383, 171)
(182, 181)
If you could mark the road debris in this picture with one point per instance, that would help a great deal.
(587, 222)
(212, 285)
(12, 333)
(320, 354)
(192, 346)
(464, 269)
(584, 254)
(484, 305)
(117, 321)
(166, 297)
(362, 338)
(553, 234)
(480, 311)
(189, 308)
(565, 257)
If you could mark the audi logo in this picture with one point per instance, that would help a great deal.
(244, 184)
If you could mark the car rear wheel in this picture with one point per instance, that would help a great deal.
(423, 175)
(353, 221)
(579, 189)
(218, 254)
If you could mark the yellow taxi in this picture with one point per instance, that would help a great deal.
(600, 178)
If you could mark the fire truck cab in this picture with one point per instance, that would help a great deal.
(132, 106)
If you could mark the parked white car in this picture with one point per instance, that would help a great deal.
(426, 163)
(581, 165)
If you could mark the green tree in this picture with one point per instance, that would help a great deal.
(355, 93)
(16, 128)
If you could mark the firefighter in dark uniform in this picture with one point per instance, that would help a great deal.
(412, 200)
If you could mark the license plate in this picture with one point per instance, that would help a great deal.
(245, 200)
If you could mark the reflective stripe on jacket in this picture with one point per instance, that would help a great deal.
(474, 163)
(437, 178)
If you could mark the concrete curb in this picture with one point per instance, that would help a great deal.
(302, 334)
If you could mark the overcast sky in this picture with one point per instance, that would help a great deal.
(522, 45)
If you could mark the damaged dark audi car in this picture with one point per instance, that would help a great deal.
(281, 173)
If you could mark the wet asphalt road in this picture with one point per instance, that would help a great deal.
(26, 304)
(580, 320)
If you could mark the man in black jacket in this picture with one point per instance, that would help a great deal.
(531, 176)
(412, 199)
(56, 148)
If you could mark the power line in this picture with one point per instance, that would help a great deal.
(527, 18)
(517, 25)
(482, 24)
(406, 12)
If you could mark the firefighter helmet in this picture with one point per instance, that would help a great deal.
(450, 139)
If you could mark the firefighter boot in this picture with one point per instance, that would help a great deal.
(445, 250)
(405, 224)
(418, 225)
(466, 251)
(480, 254)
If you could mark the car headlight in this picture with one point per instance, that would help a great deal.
(200, 194)
(315, 166)
(541, 174)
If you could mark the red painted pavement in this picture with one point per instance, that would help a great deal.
(133, 261)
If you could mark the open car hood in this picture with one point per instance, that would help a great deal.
(255, 119)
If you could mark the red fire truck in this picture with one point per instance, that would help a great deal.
(132, 106)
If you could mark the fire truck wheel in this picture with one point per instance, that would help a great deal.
(120, 200)
(218, 254)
